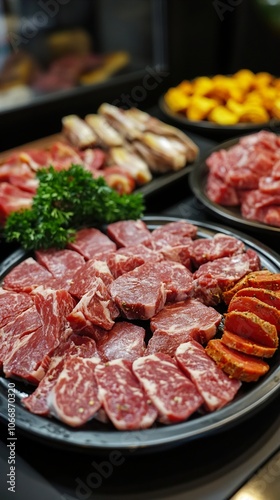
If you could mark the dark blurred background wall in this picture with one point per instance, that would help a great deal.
(208, 37)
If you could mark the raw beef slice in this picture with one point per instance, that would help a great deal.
(62, 264)
(96, 306)
(213, 278)
(26, 276)
(124, 341)
(216, 388)
(30, 357)
(180, 322)
(75, 345)
(140, 293)
(90, 242)
(179, 229)
(84, 277)
(221, 245)
(123, 399)
(12, 304)
(171, 392)
(129, 232)
(126, 259)
(74, 398)
(11, 333)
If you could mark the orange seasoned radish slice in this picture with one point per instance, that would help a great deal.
(246, 346)
(258, 307)
(249, 325)
(236, 364)
(268, 296)
(269, 282)
(244, 282)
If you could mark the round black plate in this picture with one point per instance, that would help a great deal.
(96, 436)
(204, 126)
(197, 181)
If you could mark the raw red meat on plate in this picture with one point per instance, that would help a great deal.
(26, 276)
(90, 242)
(124, 341)
(128, 233)
(75, 345)
(247, 175)
(174, 395)
(74, 398)
(83, 278)
(216, 388)
(182, 321)
(127, 258)
(12, 304)
(125, 402)
(163, 299)
(96, 306)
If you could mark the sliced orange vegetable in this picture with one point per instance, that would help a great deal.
(249, 325)
(246, 346)
(268, 296)
(269, 282)
(256, 306)
(236, 364)
(242, 283)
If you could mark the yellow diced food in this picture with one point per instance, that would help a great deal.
(245, 79)
(226, 88)
(254, 114)
(176, 100)
(200, 107)
(234, 106)
(186, 87)
(275, 112)
(223, 116)
(268, 95)
(262, 79)
(244, 96)
(202, 85)
(253, 97)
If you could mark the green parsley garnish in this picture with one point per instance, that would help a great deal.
(66, 201)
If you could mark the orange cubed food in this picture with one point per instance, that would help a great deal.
(200, 107)
(176, 100)
(253, 113)
(202, 85)
(223, 116)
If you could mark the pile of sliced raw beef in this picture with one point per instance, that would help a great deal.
(115, 326)
(248, 175)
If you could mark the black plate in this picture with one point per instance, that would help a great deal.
(204, 126)
(162, 181)
(96, 436)
(197, 181)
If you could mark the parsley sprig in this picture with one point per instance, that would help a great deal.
(66, 201)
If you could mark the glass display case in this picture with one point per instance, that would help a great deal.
(52, 46)
(62, 54)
